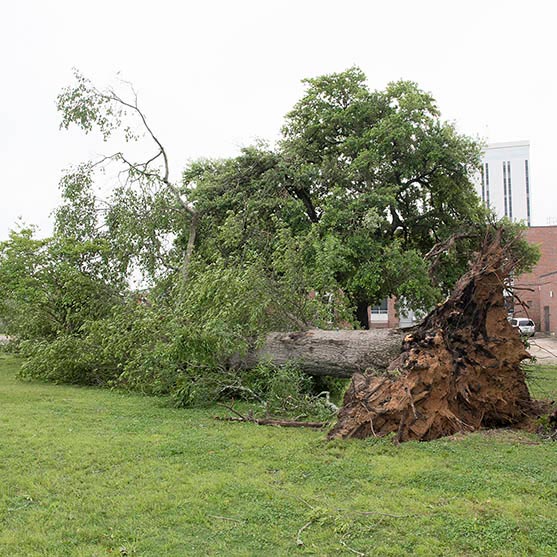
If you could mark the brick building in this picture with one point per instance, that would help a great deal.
(385, 316)
(540, 294)
(542, 300)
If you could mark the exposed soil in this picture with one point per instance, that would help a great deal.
(458, 371)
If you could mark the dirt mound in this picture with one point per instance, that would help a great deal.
(458, 371)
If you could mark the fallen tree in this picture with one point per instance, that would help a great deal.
(334, 353)
(459, 370)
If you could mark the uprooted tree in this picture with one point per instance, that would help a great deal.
(459, 370)
(301, 236)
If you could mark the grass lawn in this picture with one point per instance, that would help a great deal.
(89, 472)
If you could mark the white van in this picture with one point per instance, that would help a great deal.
(526, 326)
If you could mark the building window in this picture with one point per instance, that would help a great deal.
(487, 183)
(505, 197)
(380, 308)
(527, 176)
(483, 183)
(509, 189)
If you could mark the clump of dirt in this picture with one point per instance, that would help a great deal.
(458, 371)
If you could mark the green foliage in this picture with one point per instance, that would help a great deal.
(50, 287)
(283, 391)
(525, 254)
(383, 173)
(88, 108)
(361, 181)
(336, 216)
(64, 359)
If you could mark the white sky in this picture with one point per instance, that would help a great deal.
(215, 75)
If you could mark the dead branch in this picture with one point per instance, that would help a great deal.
(233, 411)
(369, 513)
(299, 540)
(522, 288)
(226, 518)
(355, 551)
(142, 169)
(271, 421)
(444, 246)
(435, 253)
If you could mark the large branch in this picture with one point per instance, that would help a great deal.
(161, 152)
(190, 247)
(143, 170)
(305, 198)
(114, 97)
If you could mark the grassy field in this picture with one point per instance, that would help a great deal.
(89, 472)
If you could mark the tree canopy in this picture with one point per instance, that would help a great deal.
(361, 186)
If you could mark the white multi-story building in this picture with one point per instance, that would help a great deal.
(504, 186)
(505, 180)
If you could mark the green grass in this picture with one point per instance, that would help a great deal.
(89, 472)
(542, 381)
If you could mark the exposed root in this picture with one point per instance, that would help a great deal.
(458, 371)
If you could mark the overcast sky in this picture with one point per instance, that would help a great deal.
(213, 76)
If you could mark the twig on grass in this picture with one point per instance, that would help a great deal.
(250, 418)
(369, 513)
(225, 518)
(304, 502)
(299, 540)
(352, 549)
(271, 421)
(233, 411)
(297, 497)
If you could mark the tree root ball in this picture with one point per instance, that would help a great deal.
(460, 370)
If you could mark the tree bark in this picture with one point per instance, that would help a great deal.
(190, 247)
(334, 353)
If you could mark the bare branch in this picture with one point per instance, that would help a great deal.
(355, 551)
(438, 249)
(233, 411)
(299, 540)
(228, 518)
(269, 421)
(114, 97)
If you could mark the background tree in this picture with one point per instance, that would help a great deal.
(386, 175)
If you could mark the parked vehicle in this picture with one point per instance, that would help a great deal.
(526, 326)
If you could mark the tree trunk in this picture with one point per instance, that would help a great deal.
(458, 371)
(334, 353)
(190, 247)
(362, 314)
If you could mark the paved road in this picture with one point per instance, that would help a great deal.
(544, 349)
